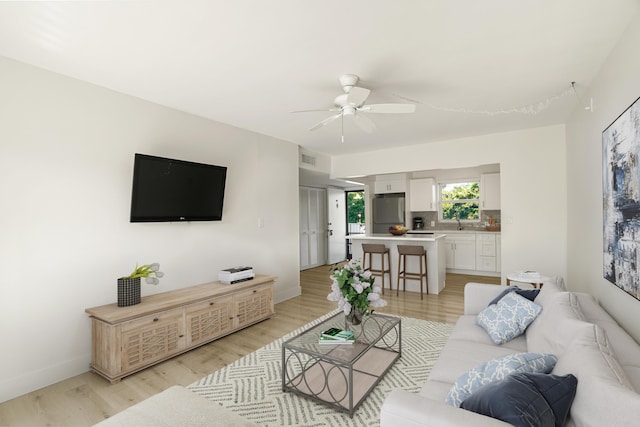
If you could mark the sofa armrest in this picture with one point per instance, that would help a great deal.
(478, 295)
(405, 409)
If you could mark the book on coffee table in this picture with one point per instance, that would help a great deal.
(338, 334)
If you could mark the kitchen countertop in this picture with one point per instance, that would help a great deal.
(465, 231)
(389, 236)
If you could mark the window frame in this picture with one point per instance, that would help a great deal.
(443, 183)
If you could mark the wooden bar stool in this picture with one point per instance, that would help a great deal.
(370, 249)
(403, 252)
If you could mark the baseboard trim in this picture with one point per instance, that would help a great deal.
(10, 388)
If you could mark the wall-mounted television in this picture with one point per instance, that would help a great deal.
(167, 190)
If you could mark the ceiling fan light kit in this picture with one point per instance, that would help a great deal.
(351, 103)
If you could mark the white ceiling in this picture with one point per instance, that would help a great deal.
(249, 63)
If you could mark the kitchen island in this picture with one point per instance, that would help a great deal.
(436, 256)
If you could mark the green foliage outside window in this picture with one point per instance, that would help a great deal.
(460, 200)
(355, 207)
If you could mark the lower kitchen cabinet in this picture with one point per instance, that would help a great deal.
(473, 253)
(128, 339)
(461, 251)
(486, 252)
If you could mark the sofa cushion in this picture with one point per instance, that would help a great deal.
(604, 395)
(509, 318)
(547, 291)
(557, 324)
(626, 349)
(498, 369)
(458, 357)
(526, 399)
(466, 329)
(529, 294)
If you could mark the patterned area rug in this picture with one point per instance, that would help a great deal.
(252, 385)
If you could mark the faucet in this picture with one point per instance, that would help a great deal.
(459, 223)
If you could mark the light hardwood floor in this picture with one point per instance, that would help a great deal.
(86, 399)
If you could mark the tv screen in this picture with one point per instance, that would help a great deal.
(176, 190)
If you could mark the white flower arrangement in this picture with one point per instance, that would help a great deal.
(352, 287)
(151, 273)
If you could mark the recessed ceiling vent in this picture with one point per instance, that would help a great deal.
(308, 160)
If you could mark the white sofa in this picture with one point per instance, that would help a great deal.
(587, 342)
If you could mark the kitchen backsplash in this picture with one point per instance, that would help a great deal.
(427, 217)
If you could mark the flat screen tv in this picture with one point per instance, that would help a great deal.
(167, 190)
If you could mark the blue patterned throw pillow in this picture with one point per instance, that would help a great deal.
(509, 318)
(498, 369)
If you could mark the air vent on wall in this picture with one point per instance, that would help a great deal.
(309, 160)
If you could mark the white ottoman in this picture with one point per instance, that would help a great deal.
(175, 407)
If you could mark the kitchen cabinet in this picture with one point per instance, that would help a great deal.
(498, 253)
(390, 186)
(486, 252)
(490, 191)
(461, 251)
(422, 195)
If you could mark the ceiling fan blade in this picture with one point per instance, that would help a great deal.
(325, 121)
(389, 108)
(314, 111)
(357, 96)
(364, 123)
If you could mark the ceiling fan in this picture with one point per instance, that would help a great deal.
(352, 103)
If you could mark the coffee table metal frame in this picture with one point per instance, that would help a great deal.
(341, 376)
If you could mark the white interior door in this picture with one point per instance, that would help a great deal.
(312, 227)
(337, 230)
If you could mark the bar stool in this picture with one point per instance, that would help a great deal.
(370, 249)
(403, 252)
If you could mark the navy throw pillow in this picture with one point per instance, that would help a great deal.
(526, 399)
(529, 294)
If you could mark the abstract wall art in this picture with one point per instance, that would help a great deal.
(621, 200)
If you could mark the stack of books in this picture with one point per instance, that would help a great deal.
(335, 336)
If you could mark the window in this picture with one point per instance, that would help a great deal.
(459, 200)
(355, 212)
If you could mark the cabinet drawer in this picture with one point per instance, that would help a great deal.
(486, 263)
(152, 320)
(461, 237)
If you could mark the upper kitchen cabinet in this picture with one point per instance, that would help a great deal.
(390, 186)
(490, 191)
(422, 195)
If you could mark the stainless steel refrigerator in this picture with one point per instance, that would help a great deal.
(388, 210)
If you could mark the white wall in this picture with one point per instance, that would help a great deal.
(66, 161)
(615, 88)
(533, 186)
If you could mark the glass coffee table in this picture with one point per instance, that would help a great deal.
(341, 375)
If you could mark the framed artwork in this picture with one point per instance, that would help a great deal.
(621, 200)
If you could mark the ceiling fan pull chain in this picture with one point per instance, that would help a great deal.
(342, 127)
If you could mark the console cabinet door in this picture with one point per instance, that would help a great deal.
(208, 319)
(152, 338)
(253, 305)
